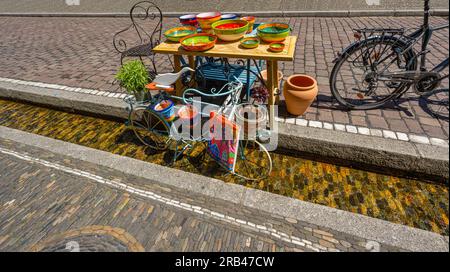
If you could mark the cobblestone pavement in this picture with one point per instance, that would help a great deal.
(78, 52)
(48, 204)
(96, 6)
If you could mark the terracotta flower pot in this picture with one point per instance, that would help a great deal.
(299, 92)
(280, 76)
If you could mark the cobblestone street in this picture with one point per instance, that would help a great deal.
(80, 54)
(48, 204)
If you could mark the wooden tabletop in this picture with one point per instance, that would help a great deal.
(233, 50)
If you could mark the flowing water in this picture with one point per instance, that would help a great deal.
(410, 202)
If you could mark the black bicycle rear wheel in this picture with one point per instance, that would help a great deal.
(354, 82)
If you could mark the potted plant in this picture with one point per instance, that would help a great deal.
(133, 76)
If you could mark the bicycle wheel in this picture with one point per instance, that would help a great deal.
(253, 161)
(151, 129)
(354, 80)
(436, 103)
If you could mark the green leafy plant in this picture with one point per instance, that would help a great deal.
(133, 76)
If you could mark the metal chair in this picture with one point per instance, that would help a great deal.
(144, 16)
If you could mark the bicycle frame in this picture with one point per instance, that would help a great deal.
(425, 33)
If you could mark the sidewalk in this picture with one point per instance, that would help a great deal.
(80, 54)
(123, 6)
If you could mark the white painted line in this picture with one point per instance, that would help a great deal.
(147, 194)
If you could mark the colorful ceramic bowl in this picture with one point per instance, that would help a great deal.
(230, 30)
(251, 22)
(277, 47)
(206, 19)
(198, 42)
(250, 43)
(275, 32)
(177, 33)
(228, 17)
(190, 19)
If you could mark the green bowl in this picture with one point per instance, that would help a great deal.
(178, 33)
(274, 28)
(198, 42)
(250, 43)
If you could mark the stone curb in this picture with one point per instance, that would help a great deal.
(386, 154)
(431, 162)
(312, 13)
(354, 224)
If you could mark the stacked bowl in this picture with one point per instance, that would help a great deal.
(188, 20)
(275, 32)
(206, 19)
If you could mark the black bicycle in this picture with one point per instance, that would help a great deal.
(382, 65)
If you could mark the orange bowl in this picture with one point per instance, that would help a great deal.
(277, 47)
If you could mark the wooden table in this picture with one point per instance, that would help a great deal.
(234, 50)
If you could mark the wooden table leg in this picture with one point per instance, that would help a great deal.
(276, 81)
(178, 84)
(271, 86)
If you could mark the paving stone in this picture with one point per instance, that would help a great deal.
(328, 126)
(351, 129)
(402, 136)
(419, 139)
(389, 134)
(339, 127)
(363, 130)
(315, 124)
(301, 122)
(376, 132)
(439, 142)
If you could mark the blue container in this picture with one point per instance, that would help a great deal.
(229, 17)
(168, 113)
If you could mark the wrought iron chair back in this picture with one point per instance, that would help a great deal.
(145, 16)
